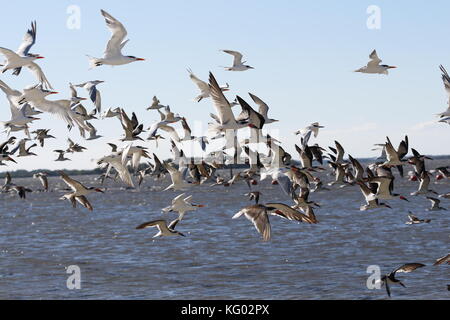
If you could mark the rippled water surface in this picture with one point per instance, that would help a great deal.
(220, 258)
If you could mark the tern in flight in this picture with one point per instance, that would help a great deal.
(22, 58)
(205, 91)
(182, 204)
(113, 53)
(94, 94)
(238, 64)
(374, 65)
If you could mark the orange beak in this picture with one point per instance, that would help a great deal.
(200, 205)
(140, 59)
(53, 92)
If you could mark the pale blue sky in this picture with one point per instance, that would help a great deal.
(304, 54)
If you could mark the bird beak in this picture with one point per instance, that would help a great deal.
(403, 198)
(11, 159)
(388, 206)
(99, 190)
(225, 89)
(199, 205)
(53, 92)
(392, 67)
(40, 57)
(140, 59)
(35, 118)
(82, 98)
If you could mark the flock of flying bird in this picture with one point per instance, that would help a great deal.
(297, 179)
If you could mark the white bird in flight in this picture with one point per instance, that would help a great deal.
(113, 53)
(238, 64)
(374, 65)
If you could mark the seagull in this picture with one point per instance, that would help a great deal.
(204, 87)
(113, 53)
(79, 191)
(94, 94)
(390, 279)
(182, 204)
(238, 65)
(374, 65)
(164, 229)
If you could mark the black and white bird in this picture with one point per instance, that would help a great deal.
(164, 230)
(389, 279)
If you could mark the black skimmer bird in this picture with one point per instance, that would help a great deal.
(389, 279)
(42, 176)
(443, 260)
(385, 187)
(374, 66)
(113, 53)
(238, 64)
(424, 184)
(445, 195)
(79, 191)
(61, 155)
(414, 220)
(371, 198)
(164, 230)
(435, 204)
(259, 216)
(254, 196)
(23, 150)
(41, 135)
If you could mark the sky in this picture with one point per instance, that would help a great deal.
(304, 54)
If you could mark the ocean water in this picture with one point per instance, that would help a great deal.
(219, 258)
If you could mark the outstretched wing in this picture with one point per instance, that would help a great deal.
(115, 44)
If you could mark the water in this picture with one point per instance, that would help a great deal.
(220, 258)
